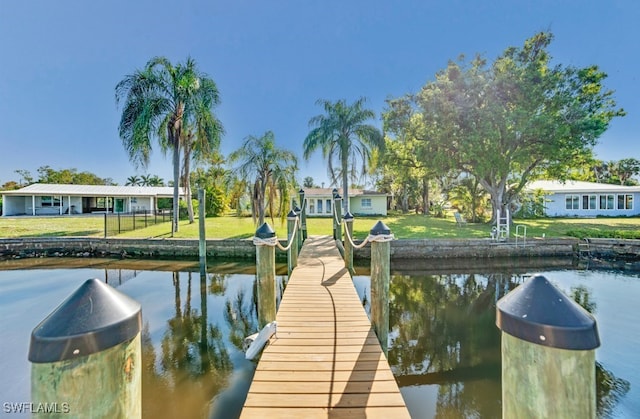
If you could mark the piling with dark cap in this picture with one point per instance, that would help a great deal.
(548, 353)
(303, 214)
(292, 253)
(380, 275)
(90, 342)
(348, 247)
(266, 275)
(298, 212)
(337, 204)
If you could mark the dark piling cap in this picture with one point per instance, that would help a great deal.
(538, 312)
(94, 318)
(265, 231)
(337, 196)
(292, 214)
(297, 210)
(348, 216)
(301, 191)
(334, 192)
(379, 229)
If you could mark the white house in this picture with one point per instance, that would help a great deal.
(52, 199)
(361, 202)
(587, 199)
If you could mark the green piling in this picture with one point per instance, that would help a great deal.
(348, 247)
(266, 275)
(86, 356)
(380, 276)
(292, 253)
(548, 353)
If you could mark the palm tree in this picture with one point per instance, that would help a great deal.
(133, 181)
(269, 169)
(344, 138)
(201, 140)
(159, 102)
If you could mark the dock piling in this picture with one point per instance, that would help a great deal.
(265, 241)
(86, 356)
(548, 353)
(380, 236)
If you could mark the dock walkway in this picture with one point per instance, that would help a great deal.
(325, 360)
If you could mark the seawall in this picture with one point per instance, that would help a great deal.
(244, 248)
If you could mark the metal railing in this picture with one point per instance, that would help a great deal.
(116, 223)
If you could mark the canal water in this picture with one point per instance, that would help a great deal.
(444, 347)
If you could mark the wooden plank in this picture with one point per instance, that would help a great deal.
(324, 400)
(337, 413)
(325, 360)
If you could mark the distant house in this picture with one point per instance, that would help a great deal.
(51, 199)
(587, 199)
(361, 202)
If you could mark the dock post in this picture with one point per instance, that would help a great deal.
(298, 212)
(334, 212)
(292, 253)
(338, 207)
(86, 356)
(202, 240)
(303, 215)
(380, 236)
(548, 353)
(265, 241)
(348, 247)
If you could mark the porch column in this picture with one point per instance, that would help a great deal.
(59, 206)
(33, 205)
(69, 202)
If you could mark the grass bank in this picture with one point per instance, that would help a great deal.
(409, 226)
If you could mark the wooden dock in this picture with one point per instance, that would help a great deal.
(325, 360)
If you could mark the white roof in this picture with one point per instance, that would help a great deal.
(322, 192)
(93, 190)
(579, 187)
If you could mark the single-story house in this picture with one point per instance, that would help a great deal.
(361, 202)
(52, 199)
(587, 199)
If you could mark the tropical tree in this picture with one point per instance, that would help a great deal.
(507, 122)
(270, 171)
(133, 180)
(346, 140)
(160, 102)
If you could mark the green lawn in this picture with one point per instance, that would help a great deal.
(403, 226)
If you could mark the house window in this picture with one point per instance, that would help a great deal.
(319, 206)
(134, 200)
(328, 206)
(606, 202)
(312, 206)
(589, 202)
(50, 201)
(366, 203)
(572, 202)
(625, 202)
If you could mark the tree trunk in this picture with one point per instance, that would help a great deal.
(345, 178)
(187, 182)
(425, 196)
(176, 186)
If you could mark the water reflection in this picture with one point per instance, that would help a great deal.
(444, 344)
(193, 363)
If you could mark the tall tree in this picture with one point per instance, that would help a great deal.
(506, 122)
(133, 180)
(160, 101)
(346, 140)
(270, 171)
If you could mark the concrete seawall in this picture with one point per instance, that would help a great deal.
(244, 248)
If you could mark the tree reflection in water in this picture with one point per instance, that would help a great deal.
(193, 365)
(442, 332)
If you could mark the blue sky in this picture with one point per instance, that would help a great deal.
(272, 60)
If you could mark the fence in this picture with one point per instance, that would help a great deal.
(120, 222)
